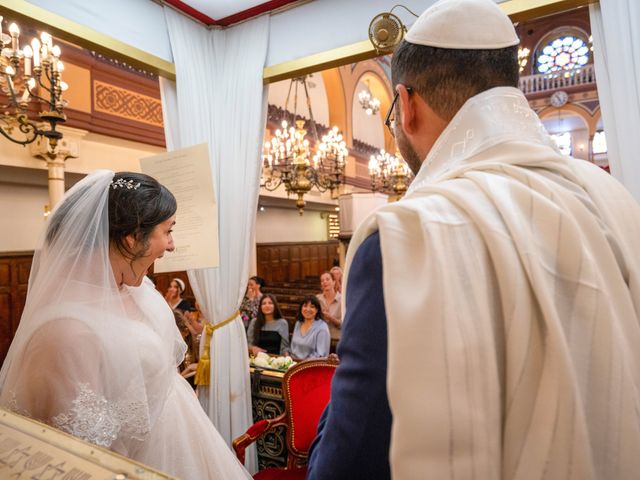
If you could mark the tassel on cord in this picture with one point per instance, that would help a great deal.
(203, 372)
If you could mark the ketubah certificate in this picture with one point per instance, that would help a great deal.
(187, 174)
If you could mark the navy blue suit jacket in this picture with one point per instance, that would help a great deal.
(355, 428)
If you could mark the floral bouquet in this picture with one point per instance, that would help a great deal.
(276, 363)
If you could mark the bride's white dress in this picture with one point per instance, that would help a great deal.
(100, 362)
(72, 379)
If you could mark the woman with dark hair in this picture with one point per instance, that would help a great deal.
(249, 306)
(311, 338)
(269, 332)
(97, 349)
(173, 296)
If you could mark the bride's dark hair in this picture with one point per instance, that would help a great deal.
(137, 210)
(136, 204)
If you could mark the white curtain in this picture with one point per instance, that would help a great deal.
(615, 25)
(220, 99)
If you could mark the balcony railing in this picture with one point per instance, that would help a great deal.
(545, 82)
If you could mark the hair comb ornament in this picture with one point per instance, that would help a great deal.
(122, 183)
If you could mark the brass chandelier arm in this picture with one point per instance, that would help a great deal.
(25, 126)
(272, 183)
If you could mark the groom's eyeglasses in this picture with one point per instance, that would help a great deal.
(389, 120)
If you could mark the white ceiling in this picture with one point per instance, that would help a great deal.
(218, 9)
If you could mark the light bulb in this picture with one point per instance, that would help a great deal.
(46, 39)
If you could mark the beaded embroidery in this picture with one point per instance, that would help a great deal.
(122, 183)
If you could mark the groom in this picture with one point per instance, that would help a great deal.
(491, 323)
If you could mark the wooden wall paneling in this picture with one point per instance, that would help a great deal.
(274, 264)
(295, 265)
(315, 259)
(5, 273)
(262, 263)
(14, 279)
(6, 333)
(306, 265)
(285, 260)
(290, 262)
(22, 268)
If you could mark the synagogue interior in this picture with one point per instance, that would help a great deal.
(327, 90)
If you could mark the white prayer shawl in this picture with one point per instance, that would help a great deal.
(512, 297)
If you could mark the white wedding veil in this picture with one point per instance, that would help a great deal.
(77, 361)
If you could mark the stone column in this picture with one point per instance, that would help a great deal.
(55, 164)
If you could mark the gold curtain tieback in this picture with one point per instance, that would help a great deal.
(203, 371)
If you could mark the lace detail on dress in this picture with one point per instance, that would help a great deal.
(95, 419)
(12, 405)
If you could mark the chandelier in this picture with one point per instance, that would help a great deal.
(389, 173)
(289, 159)
(523, 57)
(30, 76)
(370, 103)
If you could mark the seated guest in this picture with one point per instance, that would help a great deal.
(337, 276)
(249, 306)
(311, 336)
(330, 301)
(174, 295)
(269, 332)
(188, 366)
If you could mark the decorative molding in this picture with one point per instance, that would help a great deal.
(591, 105)
(124, 103)
(121, 64)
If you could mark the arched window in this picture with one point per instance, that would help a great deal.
(563, 51)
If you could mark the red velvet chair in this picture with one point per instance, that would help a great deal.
(306, 388)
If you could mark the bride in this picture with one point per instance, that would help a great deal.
(97, 348)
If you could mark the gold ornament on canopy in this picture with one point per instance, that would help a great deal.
(31, 75)
(291, 160)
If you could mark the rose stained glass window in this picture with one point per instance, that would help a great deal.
(563, 53)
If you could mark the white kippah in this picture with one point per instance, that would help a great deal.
(463, 24)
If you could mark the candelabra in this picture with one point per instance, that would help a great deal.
(32, 75)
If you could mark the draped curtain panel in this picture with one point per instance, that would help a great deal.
(219, 98)
(615, 25)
